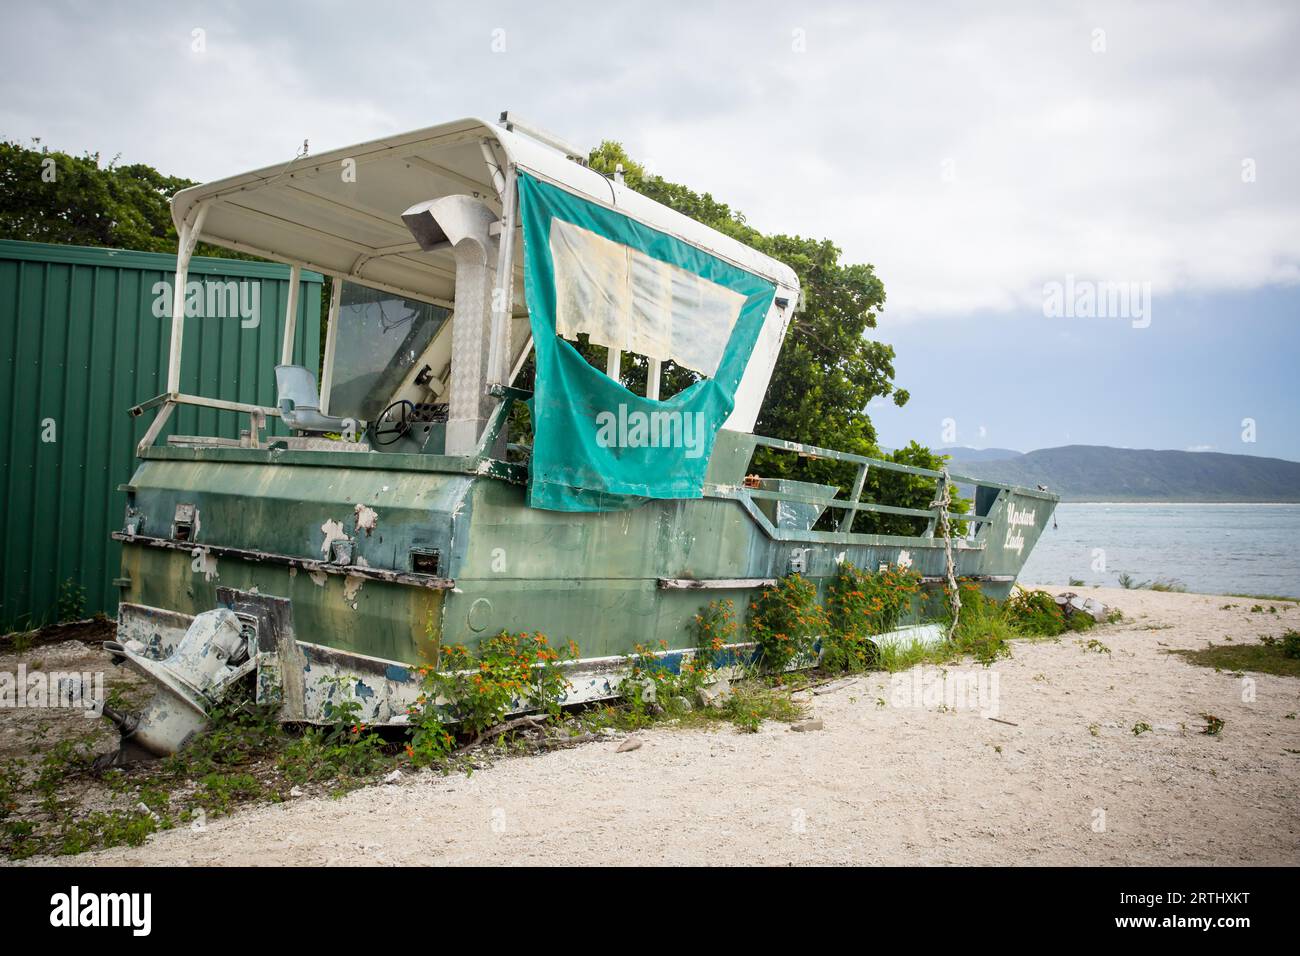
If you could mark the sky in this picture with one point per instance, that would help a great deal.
(1086, 215)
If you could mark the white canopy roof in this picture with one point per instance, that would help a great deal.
(307, 211)
(339, 213)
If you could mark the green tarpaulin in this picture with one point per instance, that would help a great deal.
(596, 445)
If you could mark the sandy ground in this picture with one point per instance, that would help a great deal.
(886, 781)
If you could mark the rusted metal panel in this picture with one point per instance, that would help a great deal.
(80, 343)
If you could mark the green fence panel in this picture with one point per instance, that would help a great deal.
(85, 335)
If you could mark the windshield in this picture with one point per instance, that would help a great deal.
(380, 336)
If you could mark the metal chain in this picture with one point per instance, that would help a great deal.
(944, 502)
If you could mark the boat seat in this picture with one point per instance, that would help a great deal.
(299, 401)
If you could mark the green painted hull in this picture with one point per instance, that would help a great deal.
(608, 581)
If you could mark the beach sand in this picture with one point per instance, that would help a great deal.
(888, 780)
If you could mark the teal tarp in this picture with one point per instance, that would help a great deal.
(596, 445)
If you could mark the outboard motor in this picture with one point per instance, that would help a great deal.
(210, 658)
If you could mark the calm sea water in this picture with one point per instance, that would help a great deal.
(1211, 548)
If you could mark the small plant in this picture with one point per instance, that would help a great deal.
(1076, 582)
(71, 605)
(654, 685)
(984, 628)
(785, 623)
(1036, 613)
(1096, 646)
(1140, 728)
(1213, 725)
(1291, 644)
(715, 628)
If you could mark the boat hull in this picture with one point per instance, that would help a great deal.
(367, 564)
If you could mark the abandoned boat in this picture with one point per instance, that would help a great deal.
(399, 517)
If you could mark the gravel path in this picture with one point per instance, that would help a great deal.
(1069, 783)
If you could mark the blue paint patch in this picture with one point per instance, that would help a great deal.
(363, 691)
(395, 673)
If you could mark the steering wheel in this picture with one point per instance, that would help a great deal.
(396, 428)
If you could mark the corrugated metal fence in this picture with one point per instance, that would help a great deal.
(84, 335)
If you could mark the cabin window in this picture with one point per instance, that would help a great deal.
(380, 336)
(621, 298)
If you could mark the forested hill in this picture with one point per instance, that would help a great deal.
(1099, 473)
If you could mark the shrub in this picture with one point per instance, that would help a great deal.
(715, 628)
(510, 672)
(1291, 644)
(861, 604)
(785, 622)
(1035, 613)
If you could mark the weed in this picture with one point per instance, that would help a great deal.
(1261, 658)
(715, 628)
(1140, 728)
(509, 672)
(1213, 725)
(785, 622)
(1036, 613)
(71, 602)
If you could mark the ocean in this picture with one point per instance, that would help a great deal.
(1210, 548)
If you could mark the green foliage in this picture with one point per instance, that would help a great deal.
(984, 628)
(1035, 613)
(86, 203)
(715, 627)
(752, 703)
(861, 604)
(1291, 645)
(653, 687)
(1266, 657)
(71, 602)
(1130, 583)
(509, 672)
(785, 621)
(99, 830)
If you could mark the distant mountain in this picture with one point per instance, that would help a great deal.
(1098, 473)
(962, 453)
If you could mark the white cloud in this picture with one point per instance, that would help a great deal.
(1120, 166)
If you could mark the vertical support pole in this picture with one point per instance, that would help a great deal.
(291, 316)
(614, 364)
(846, 519)
(652, 379)
(468, 224)
(188, 239)
(503, 293)
(331, 338)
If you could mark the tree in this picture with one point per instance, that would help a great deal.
(51, 196)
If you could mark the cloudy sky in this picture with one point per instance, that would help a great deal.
(984, 157)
